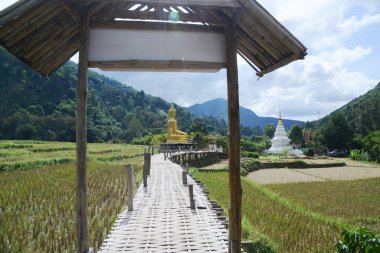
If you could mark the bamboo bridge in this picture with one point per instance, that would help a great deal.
(162, 219)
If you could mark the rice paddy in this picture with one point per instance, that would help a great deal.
(37, 193)
(300, 219)
(358, 201)
(37, 200)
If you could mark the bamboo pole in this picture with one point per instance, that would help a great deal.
(233, 139)
(81, 139)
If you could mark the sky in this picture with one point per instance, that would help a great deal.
(343, 62)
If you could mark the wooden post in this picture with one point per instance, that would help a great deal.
(130, 186)
(81, 138)
(149, 160)
(191, 195)
(145, 174)
(184, 177)
(233, 138)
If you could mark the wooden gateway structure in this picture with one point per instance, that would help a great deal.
(155, 35)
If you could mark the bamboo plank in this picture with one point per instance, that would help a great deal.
(32, 50)
(60, 55)
(41, 35)
(268, 21)
(17, 9)
(20, 22)
(56, 45)
(17, 36)
(162, 221)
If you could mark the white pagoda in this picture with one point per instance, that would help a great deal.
(281, 142)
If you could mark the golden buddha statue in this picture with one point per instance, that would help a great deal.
(174, 135)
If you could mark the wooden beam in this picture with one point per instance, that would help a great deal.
(81, 138)
(71, 9)
(270, 23)
(199, 3)
(95, 9)
(234, 227)
(153, 15)
(282, 63)
(141, 25)
(17, 9)
(156, 65)
(14, 37)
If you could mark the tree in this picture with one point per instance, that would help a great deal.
(336, 134)
(269, 130)
(25, 132)
(371, 145)
(296, 135)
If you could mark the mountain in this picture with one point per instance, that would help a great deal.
(362, 114)
(35, 107)
(218, 108)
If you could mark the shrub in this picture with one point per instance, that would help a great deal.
(310, 152)
(356, 154)
(253, 155)
(249, 166)
(372, 145)
(361, 240)
(25, 132)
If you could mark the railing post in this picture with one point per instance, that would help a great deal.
(130, 186)
(191, 195)
(145, 176)
(145, 169)
(184, 177)
(149, 157)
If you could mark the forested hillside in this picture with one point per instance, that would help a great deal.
(362, 114)
(34, 107)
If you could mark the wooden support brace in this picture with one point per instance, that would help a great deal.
(72, 9)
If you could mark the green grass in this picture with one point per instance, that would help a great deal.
(293, 228)
(358, 201)
(37, 197)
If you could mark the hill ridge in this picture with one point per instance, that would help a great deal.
(218, 108)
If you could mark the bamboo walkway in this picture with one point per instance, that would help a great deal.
(162, 220)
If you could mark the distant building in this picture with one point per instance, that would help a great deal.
(281, 141)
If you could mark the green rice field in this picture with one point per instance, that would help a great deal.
(302, 217)
(37, 193)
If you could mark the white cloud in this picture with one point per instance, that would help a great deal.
(315, 86)
(353, 23)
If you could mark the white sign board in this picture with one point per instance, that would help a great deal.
(107, 45)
